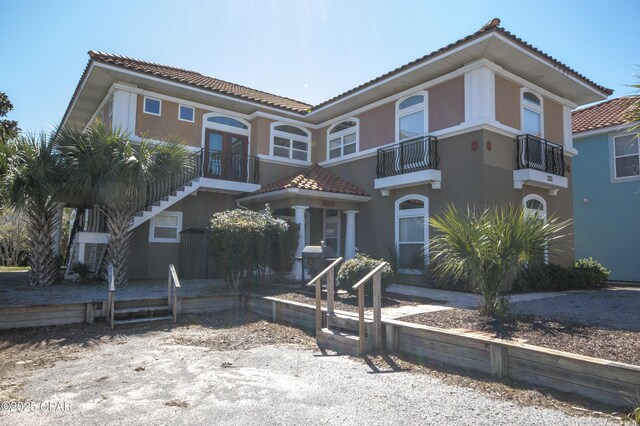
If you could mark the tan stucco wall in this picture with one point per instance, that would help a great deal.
(553, 120)
(167, 125)
(507, 102)
(446, 104)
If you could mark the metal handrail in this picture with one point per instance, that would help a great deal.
(228, 166)
(540, 154)
(408, 156)
(112, 294)
(172, 292)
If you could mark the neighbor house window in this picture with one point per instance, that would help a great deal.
(186, 113)
(165, 227)
(289, 141)
(626, 156)
(411, 116)
(531, 114)
(152, 106)
(343, 138)
(412, 231)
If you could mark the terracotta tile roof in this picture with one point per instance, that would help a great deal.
(493, 25)
(315, 178)
(196, 79)
(605, 114)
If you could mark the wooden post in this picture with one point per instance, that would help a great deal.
(499, 366)
(90, 313)
(175, 305)
(318, 305)
(362, 341)
(377, 310)
(330, 290)
(274, 312)
(391, 337)
(169, 288)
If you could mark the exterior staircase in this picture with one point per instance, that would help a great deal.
(165, 202)
(139, 311)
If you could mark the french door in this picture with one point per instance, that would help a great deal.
(225, 155)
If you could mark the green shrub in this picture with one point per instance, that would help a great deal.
(245, 244)
(82, 269)
(592, 271)
(551, 277)
(444, 282)
(353, 270)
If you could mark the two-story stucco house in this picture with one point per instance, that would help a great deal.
(606, 192)
(486, 119)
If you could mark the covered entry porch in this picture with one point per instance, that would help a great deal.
(322, 204)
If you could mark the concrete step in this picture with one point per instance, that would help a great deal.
(138, 320)
(339, 341)
(141, 309)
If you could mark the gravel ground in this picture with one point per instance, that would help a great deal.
(235, 374)
(615, 307)
(615, 345)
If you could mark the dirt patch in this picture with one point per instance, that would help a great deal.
(344, 301)
(599, 342)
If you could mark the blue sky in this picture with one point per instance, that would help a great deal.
(306, 50)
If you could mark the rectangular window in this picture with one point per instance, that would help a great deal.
(411, 125)
(186, 113)
(165, 228)
(626, 156)
(152, 106)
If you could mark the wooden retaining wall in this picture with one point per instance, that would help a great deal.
(45, 315)
(199, 305)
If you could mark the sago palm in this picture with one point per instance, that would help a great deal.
(105, 168)
(33, 179)
(487, 247)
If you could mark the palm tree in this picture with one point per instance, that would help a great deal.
(104, 168)
(487, 247)
(32, 180)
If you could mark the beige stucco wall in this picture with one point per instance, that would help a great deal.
(446, 104)
(167, 125)
(507, 102)
(553, 121)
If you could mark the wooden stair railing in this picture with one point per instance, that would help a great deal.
(376, 274)
(317, 281)
(172, 292)
(112, 295)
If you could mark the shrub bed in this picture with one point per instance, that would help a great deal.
(586, 273)
(353, 270)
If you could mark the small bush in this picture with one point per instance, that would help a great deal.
(442, 282)
(592, 271)
(82, 269)
(586, 274)
(353, 270)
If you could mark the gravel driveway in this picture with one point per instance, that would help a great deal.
(147, 379)
(615, 307)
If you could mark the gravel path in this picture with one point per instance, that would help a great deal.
(616, 307)
(142, 381)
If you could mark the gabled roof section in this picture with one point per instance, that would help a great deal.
(314, 178)
(196, 79)
(614, 112)
(491, 26)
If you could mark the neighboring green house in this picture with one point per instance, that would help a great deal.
(606, 186)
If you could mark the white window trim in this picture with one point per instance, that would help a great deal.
(324, 223)
(544, 217)
(534, 108)
(152, 225)
(424, 212)
(144, 106)
(612, 157)
(341, 134)
(410, 110)
(224, 128)
(291, 137)
(180, 106)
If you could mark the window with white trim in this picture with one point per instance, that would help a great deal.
(186, 113)
(152, 106)
(535, 206)
(626, 156)
(342, 138)
(412, 231)
(531, 114)
(288, 141)
(226, 122)
(165, 227)
(411, 116)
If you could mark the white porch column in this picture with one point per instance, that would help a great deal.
(350, 238)
(299, 219)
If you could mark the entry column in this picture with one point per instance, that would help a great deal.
(299, 219)
(350, 238)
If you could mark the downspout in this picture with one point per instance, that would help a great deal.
(240, 206)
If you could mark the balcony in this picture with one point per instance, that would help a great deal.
(539, 163)
(227, 171)
(409, 163)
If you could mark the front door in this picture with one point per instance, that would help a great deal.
(225, 155)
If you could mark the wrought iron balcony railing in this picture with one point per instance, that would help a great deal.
(228, 166)
(540, 154)
(412, 155)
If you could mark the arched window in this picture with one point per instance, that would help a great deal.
(290, 141)
(532, 114)
(412, 231)
(342, 138)
(535, 206)
(227, 121)
(411, 116)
